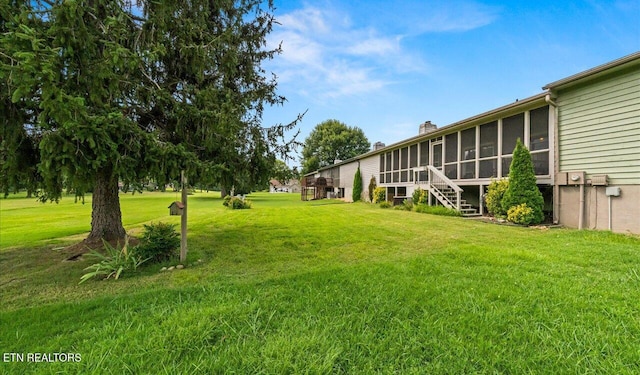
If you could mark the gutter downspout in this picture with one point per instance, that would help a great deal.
(581, 211)
(556, 188)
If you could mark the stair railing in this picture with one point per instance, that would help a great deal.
(439, 183)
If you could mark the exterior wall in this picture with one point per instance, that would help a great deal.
(599, 133)
(599, 127)
(368, 167)
(624, 209)
(347, 171)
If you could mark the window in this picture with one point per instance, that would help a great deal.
(382, 178)
(489, 139)
(403, 176)
(437, 155)
(506, 163)
(540, 163)
(381, 162)
(451, 171)
(396, 176)
(539, 133)
(468, 144)
(468, 169)
(413, 156)
(512, 129)
(396, 160)
(424, 153)
(451, 147)
(488, 168)
(404, 158)
(387, 167)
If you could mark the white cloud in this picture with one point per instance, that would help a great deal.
(325, 55)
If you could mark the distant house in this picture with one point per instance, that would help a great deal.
(289, 186)
(583, 133)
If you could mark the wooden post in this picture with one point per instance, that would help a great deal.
(183, 220)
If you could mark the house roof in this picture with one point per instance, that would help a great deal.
(483, 117)
(620, 63)
(594, 72)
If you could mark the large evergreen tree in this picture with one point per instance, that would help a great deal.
(111, 93)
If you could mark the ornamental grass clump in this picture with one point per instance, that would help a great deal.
(113, 263)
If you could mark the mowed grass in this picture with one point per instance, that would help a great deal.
(319, 287)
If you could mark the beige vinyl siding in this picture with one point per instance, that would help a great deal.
(599, 127)
(347, 171)
(369, 167)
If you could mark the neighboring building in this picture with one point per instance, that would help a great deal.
(583, 133)
(290, 186)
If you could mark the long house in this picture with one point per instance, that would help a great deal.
(583, 133)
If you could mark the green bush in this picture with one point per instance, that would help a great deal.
(435, 210)
(419, 196)
(372, 187)
(379, 195)
(385, 204)
(113, 263)
(236, 203)
(159, 242)
(406, 205)
(521, 214)
(523, 186)
(493, 199)
(357, 186)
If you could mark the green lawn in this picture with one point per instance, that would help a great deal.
(321, 287)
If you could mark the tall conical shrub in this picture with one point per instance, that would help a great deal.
(522, 185)
(357, 186)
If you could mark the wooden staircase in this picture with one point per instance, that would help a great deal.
(447, 192)
(448, 196)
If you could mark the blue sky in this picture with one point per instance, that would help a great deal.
(387, 66)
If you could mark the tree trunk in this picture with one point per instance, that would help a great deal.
(223, 192)
(106, 218)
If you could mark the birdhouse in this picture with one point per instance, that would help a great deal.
(176, 208)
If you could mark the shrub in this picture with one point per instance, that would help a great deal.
(357, 186)
(523, 186)
(159, 242)
(385, 204)
(379, 195)
(113, 263)
(372, 186)
(521, 214)
(435, 210)
(236, 203)
(493, 199)
(420, 196)
(406, 205)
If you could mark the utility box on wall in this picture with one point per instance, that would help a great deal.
(613, 191)
(576, 178)
(599, 180)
